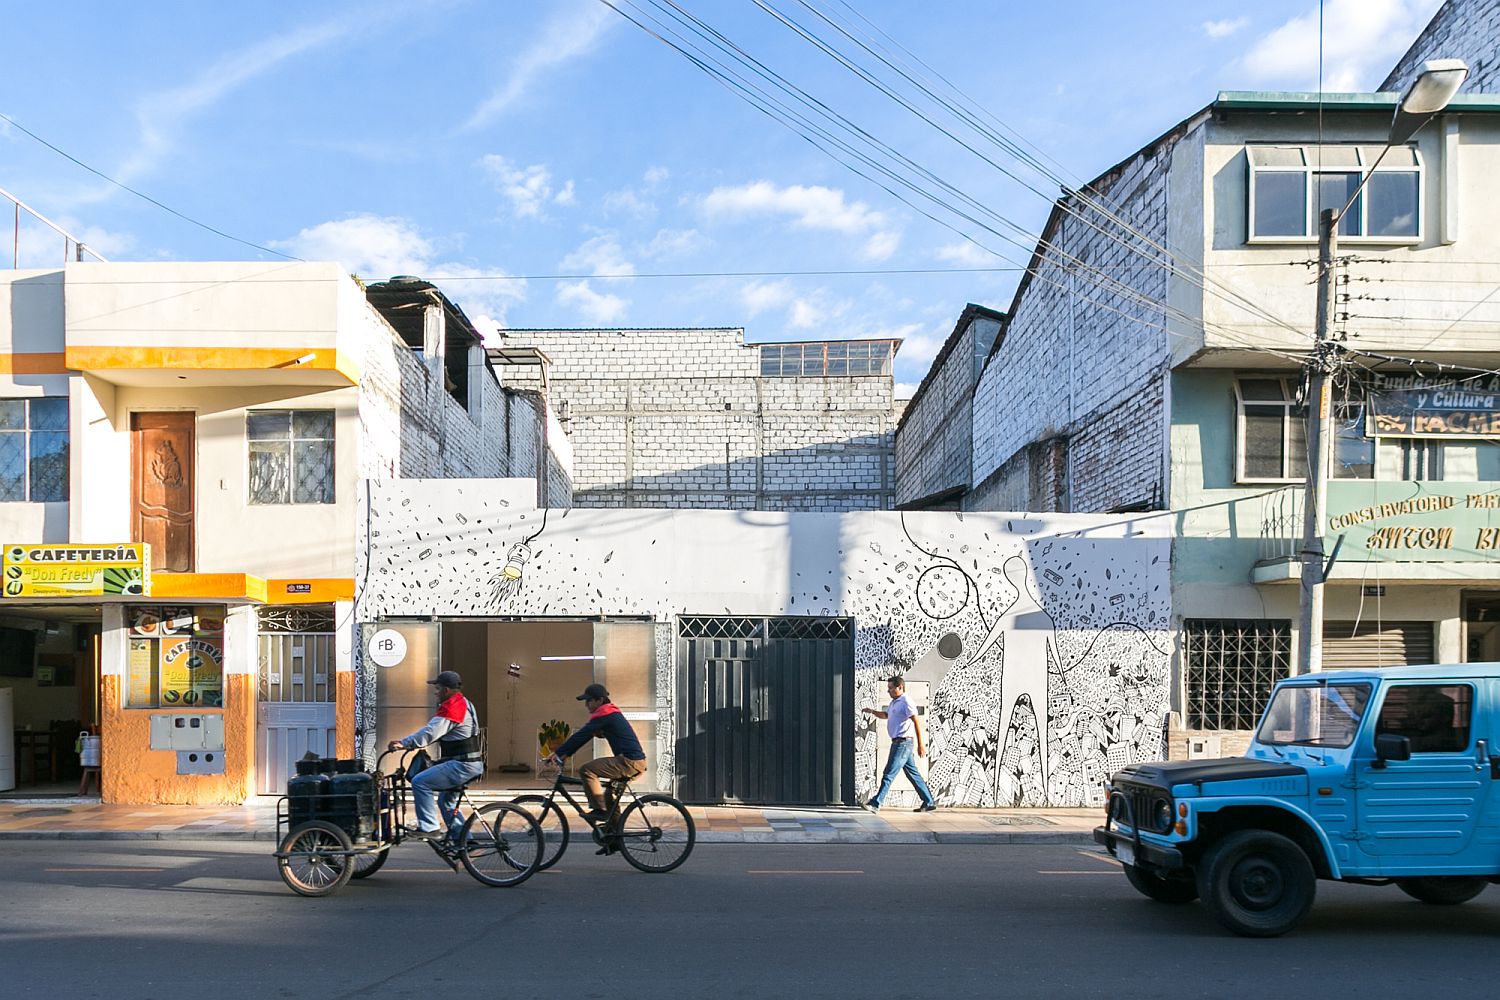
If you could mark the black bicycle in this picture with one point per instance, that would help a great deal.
(654, 831)
(327, 839)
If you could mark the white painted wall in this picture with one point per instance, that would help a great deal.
(31, 311)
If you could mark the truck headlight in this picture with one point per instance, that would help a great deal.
(1161, 815)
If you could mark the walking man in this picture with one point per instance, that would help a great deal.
(901, 722)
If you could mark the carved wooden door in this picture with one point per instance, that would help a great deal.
(161, 455)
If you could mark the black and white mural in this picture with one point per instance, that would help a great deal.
(1042, 640)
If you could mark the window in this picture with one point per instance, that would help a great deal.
(176, 657)
(1231, 667)
(1272, 431)
(1290, 186)
(1435, 718)
(837, 357)
(34, 449)
(291, 456)
(297, 653)
(1321, 715)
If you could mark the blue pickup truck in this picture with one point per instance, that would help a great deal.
(1367, 776)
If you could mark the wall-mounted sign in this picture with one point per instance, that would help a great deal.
(76, 570)
(1438, 407)
(299, 588)
(1414, 522)
(387, 647)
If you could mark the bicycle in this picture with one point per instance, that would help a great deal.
(653, 832)
(499, 844)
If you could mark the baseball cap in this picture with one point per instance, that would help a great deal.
(595, 691)
(448, 678)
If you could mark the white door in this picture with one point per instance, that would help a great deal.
(297, 713)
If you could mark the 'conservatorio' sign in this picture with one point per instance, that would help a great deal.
(76, 570)
(1415, 522)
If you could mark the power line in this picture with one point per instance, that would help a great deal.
(146, 197)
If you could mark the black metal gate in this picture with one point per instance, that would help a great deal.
(764, 710)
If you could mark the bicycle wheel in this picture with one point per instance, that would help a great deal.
(366, 865)
(656, 833)
(554, 824)
(501, 844)
(313, 862)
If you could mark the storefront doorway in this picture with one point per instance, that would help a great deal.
(49, 694)
(1481, 627)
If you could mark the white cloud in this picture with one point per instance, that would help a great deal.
(570, 34)
(1224, 28)
(968, 255)
(595, 307)
(376, 248)
(628, 202)
(600, 255)
(1362, 39)
(655, 175)
(905, 390)
(40, 246)
(813, 207)
(674, 242)
(881, 245)
(758, 296)
(816, 310)
(527, 189)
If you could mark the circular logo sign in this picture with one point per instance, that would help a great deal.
(387, 647)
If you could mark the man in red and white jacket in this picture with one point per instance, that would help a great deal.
(455, 730)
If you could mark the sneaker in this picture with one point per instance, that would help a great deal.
(413, 833)
(873, 807)
(926, 807)
(596, 815)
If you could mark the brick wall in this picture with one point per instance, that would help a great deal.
(1082, 361)
(683, 418)
(1461, 29)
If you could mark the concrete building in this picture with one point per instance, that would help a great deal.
(699, 418)
(1151, 361)
(1461, 29)
(183, 449)
(935, 436)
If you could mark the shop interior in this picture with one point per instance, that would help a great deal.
(49, 695)
(1482, 627)
(523, 675)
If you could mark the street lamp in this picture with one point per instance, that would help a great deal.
(1427, 95)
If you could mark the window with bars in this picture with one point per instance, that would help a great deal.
(34, 449)
(1231, 665)
(291, 456)
(837, 357)
(298, 653)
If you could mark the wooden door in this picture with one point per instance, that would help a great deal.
(161, 487)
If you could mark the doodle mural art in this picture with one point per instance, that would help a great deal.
(1043, 640)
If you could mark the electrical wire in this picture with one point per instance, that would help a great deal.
(143, 196)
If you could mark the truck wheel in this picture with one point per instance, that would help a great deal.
(1443, 890)
(1257, 883)
(1163, 890)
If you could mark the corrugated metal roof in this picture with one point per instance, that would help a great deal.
(1276, 100)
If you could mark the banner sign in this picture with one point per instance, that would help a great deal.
(76, 570)
(1413, 407)
(1410, 521)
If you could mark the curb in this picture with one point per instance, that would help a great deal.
(907, 838)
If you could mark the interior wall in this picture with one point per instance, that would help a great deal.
(546, 689)
(37, 705)
(465, 649)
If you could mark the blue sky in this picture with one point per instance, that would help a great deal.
(544, 158)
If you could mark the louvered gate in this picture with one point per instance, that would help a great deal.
(764, 710)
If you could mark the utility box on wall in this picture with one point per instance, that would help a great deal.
(187, 732)
(200, 762)
(1204, 747)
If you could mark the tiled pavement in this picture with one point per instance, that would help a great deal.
(43, 819)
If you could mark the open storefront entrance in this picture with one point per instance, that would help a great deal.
(49, 694)
(520, 675)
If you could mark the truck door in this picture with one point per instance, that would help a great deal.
(1414, 811)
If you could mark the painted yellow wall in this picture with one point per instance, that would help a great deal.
(134, 773)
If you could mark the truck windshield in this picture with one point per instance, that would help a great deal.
(1320, 715)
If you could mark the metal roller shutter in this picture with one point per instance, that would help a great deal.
(1376, 644)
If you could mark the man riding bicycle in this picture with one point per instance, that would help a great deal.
(628, 762)
(455, 730)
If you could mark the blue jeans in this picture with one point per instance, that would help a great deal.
(448, 777)
(901, 760)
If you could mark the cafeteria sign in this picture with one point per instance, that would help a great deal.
(76, 570)
(1413, 407)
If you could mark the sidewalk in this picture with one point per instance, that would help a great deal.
(79, 819)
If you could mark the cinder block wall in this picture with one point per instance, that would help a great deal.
(1461, 29)
(683, 418)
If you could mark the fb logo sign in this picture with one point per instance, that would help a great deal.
(387, 647)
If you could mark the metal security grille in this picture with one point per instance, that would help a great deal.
(296, 618)
(298, 689)
(765, 710)
(695, 627)
(1376, 644)
(1231, 666)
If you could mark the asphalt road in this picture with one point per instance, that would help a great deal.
(126, 920)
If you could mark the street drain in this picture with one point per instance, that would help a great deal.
(1018, 821)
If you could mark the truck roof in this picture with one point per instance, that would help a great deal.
(1431, 671)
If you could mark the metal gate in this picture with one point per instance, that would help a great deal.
(298, 691)
(1376, 644)
(764, 710)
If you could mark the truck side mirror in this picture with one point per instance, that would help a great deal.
(1389, 746)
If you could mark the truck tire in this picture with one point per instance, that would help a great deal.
(1257, 883)
(1164, 890)
(1443, 890)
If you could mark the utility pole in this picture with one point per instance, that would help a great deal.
(1319, 449)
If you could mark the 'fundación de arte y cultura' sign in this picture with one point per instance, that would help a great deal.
(1413, 406)
(76, 570)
